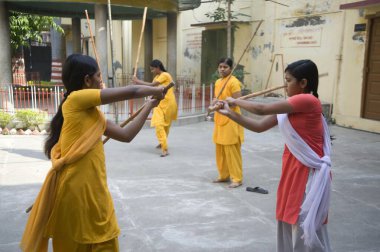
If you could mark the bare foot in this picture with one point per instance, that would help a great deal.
(235, 184)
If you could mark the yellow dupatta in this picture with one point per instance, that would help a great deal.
(33, 239)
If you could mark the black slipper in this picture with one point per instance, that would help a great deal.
(257, 189)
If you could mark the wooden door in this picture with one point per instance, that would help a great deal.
(371, 102)
(214, 47)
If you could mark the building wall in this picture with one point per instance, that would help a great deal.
(348, 97)
(189, 43)
(311, 31)
(317, 30)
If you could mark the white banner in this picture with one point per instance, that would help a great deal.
(305, 36)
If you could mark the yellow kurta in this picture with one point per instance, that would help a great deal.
(226, 131)
(228, 135)
(83, 209)
(166, 111)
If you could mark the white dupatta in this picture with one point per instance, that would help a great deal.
(315, 207)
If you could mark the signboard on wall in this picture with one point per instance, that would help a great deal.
(193, 45)
(305, 36)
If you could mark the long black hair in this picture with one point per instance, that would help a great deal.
(158, 63)
(305, 69)
(75, 68)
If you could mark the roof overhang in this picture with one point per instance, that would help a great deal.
(120, 9)
(360, 4)
(218, 25)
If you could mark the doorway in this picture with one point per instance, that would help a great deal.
(214, 47)
(371, 94)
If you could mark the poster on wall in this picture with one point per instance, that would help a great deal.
(301, 33)
(193, 45)
(192, 53)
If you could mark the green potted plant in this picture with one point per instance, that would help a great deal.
(5, 119)
(30, 118)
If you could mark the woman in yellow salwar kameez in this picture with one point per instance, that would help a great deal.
(74, 206)
(228, 135)
(166, 111)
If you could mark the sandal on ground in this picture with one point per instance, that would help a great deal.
(257, 189)
(219, 180)
(235, 184)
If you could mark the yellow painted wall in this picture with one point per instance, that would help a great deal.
(240, 45)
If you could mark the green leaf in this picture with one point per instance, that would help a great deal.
(26, 26)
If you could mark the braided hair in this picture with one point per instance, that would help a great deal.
(75, 68)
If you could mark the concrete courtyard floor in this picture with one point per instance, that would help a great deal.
(170, 204)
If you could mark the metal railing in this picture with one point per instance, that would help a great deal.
(191, 99)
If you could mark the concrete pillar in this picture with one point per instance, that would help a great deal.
(76, 35)
(57, 43)
(5, 42)
(127, 46)
(57, 53)
(101, 39)
(171, 26)
(148, 48)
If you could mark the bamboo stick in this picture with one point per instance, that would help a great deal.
(140, 41)
(93, 45)
(233, 69)
(127, 121)
(266, 91)
(237, 63)
(261, 92)
(136, 64)
(134, 74)
(138, 111)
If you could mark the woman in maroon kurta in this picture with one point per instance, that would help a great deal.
(304, 112)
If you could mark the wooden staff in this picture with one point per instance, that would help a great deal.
(237, 63)
(134, 74)
(138, 111)
(266, 91)
(141, 36)
(217, 107)
(135, 71)
(93, 45)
